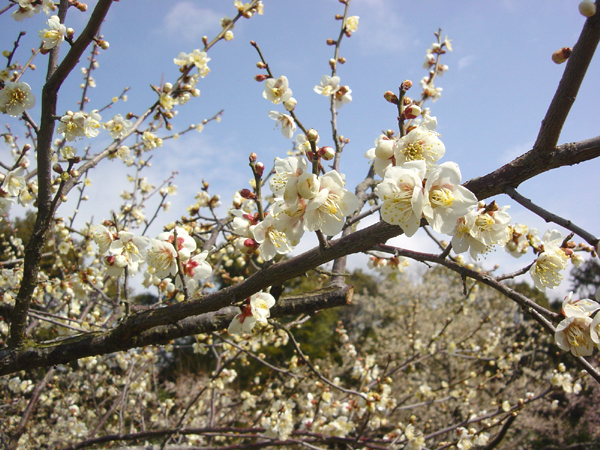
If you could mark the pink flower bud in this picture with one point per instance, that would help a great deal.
(406, 85)
(312, 135)
(253, 157)
(330, 42)
(561, 55)
(391, 97)
(327, 153)
(411, 112)
(261, 77)
(259, 168)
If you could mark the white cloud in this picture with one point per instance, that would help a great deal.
(465, 61)
(188, 22)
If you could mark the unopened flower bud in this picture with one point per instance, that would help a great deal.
(290, 104)
(248, 194)
(6, 53)
(81, 6)
(63, 198)
(312, 135)
(587, 8)
(385, 149)
(32, 66)
(74, 173)
(261, 65)
(167, 87)
(205, 40)
(348, 33)
(103, 44)
(338, 17)
(253, 44)
(70, 33)
(259, 169)
(411, 112)
(391, 97)
(332, 63)
(228, 35)
(195, 92)
(341, 60)
(406, 85)
(331, 42)
(261, 77)
(57, 168)
(253, 157)
(327, 153)
(561, 55)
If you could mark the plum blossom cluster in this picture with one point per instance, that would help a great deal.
(78, 124)
(29, 8)
(171, 257)
(303, 202)
(16, 188)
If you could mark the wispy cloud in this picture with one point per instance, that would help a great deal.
(186, 21)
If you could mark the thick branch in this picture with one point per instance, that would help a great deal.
(568, 87)
(532, 164)
(63, 351)
(56, 77)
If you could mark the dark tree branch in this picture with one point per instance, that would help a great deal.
(569, 85)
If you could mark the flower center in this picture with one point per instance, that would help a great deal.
(441, 197)
(277, 237)
(484, 222)
(576, 336)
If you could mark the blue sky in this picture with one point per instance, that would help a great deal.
(499, 85)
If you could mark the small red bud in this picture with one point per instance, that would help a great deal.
(406, 85)
(248, 194)
(331, 42)
(261, 77)
(253, 157)
(253, 44)
(341, 60)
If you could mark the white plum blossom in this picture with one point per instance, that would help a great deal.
(303, 143)
(14, 182)
(351, 23)
(130, 247)
(402, 194)
(255, 310)
(271, 240)
(25, 10)
(521, 238)
(578, 308)
(55, 34)
(185, 243)
(196, 58)
(103, 237)
(118, 127)
(382, 154)
(290, 219)
(480, 229)
(329, 85)
(288, 126)
(285, 180)
(342, 96)
(546, 271)
(162, 257)
(446, 199)
(326, 211)
(421, 143)
(196, 268)
(15, 98)
(73, 125)
(277, 90)
(573, 334)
